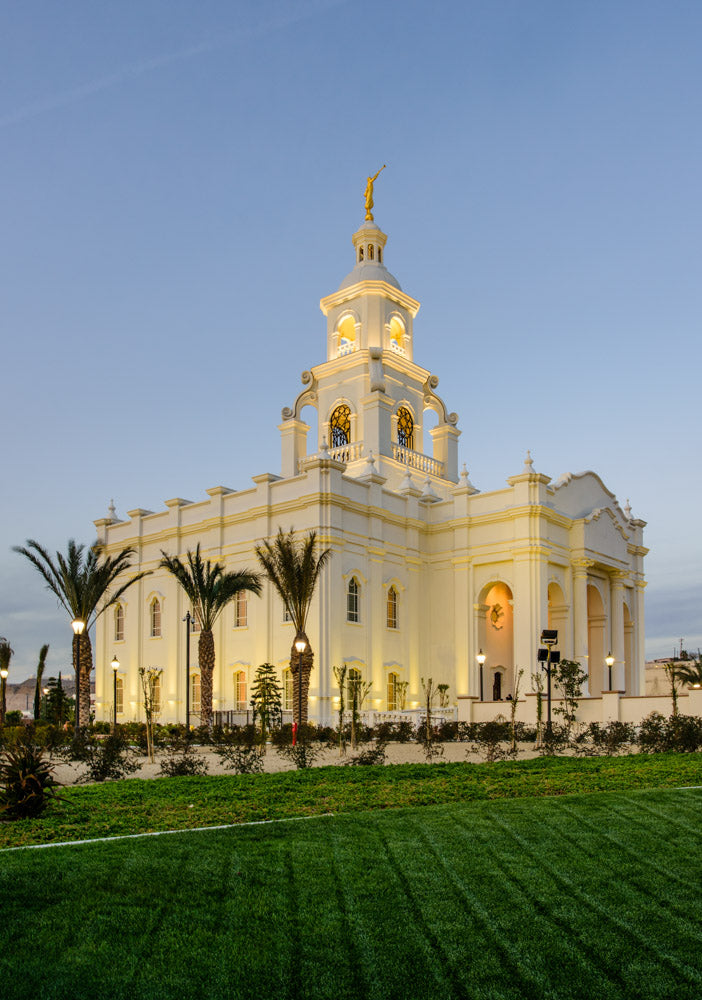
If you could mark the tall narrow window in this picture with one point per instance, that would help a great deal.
(392, 692)
(155, 616)
(340, 426)
(353, 677)
(157, 695)
(287, 690)
(240, 690)
(195, 692)
(119, 623)
(241, 610)
(120, 696)
(352, 600)
(392, 608)
(287, 617)
(405, 428)
(195, 623)
(370, 251)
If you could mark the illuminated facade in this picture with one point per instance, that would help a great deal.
(425, 570)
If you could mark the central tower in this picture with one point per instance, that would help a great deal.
(370, 396)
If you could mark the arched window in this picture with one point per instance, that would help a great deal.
(119, 623)
(393, 699)
(347, 335)
(353, 677)
(120, 696)
(287, 690)
(195, 692)
(405, 428)
(380, 255)
(397, 335)
(340, 426)
(155, 618)
(157, 695)
(370, 251)
(360, 255)
(241, 610)
(240, 690)
(352, 600)
(392, 608)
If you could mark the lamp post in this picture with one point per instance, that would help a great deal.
(187, 620)
(300, 646)
(3, 688)
(45, 692)
(549, 637)
(78, 626)
(481, 660)
(115, 668)
(609, 660)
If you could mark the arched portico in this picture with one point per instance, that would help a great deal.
(495, 629)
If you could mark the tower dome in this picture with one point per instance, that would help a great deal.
(369, 243)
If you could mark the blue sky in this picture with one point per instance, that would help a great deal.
(179, 184)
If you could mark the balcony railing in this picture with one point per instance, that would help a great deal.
(344, 453)
(416, 460)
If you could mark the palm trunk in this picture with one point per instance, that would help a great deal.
(307, 659)
(83, 686)
(206, 655)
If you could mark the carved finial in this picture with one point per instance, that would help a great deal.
(627, 509)
(464, 475)
(428, 491)
(111, 512)
(369, 194)
(324, 448)
(370, 461)
(528, 462)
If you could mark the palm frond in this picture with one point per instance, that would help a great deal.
(293, 568)
(207, 585)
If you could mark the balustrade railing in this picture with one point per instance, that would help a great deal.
(416, 460)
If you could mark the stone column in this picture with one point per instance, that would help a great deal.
(616, 624)
(580, 637)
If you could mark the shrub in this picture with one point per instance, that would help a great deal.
(182, 762)
(302, 755)
(107, 757)
(13, 718)
(555, 740)
(605, 739)
(391, 732)
(679, 733)
(27, 784)
(239, 748)
(447, 732)
(489, 739)
(371, 755)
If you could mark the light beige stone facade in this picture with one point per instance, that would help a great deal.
(426, 570)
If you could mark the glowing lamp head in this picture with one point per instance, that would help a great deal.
(609, 660)
(45, 691)
(115, 663)
(300, 644)
(3, 673)
(78, 626)
(481, 657)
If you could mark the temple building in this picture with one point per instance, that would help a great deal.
(425, 569)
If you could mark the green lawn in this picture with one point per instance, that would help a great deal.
(589, 896)
(136, 806)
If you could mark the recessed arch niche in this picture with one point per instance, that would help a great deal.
(496, 638)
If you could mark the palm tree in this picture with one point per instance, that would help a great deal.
(82, 581)
(691, 672)
(209, 589)
(6, 652)
(40, 673)
(293, 569)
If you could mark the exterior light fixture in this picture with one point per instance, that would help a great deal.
(78, 626)
(115, 668)
(300, 646)
(609, 660)
(481, 658)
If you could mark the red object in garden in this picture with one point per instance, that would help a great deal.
(294, 733)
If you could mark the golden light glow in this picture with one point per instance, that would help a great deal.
(78, 625)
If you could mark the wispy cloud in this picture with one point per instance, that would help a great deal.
(65, 98)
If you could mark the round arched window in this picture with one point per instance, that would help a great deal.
(340, 426)
(405, 428)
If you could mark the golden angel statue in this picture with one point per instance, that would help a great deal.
(369, 195)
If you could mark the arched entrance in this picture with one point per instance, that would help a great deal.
(496, 639)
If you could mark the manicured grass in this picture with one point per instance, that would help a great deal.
(583, 896)
(135, 806)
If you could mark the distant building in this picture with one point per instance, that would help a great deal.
(426, 570)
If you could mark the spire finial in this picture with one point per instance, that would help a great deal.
(627, 509)
(528, 462)
(369, 194)
(111, 512)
